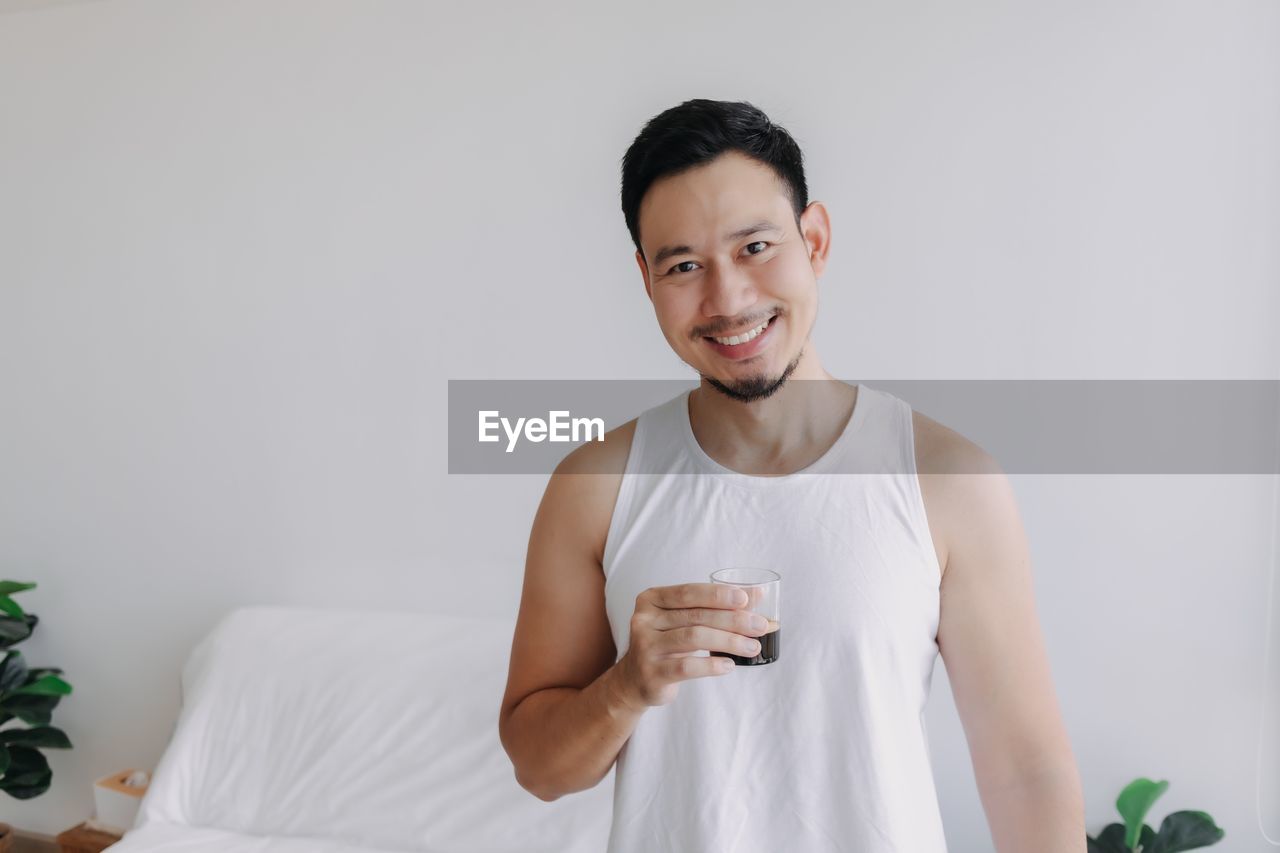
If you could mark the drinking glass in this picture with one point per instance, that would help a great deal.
(763, 588)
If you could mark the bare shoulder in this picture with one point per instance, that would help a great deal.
(601, 457)
(956, 478)
(942, 450)
(588, 479)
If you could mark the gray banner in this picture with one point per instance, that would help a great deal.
(1054, 426)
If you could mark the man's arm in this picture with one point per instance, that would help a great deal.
(565, 716)
(990, 640)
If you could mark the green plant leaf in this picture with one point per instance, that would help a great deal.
(28, 774)
(4, 759)
(16, 630)
(33, 710)
(26, 767)
(49, 685)
(13, 671)
(1147, 839)
(1133, 804)
(45, 737)
(1186, 830)
(8, 605)
(27, 792)
(10, 587)
(1110, 840)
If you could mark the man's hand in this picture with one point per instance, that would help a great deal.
(669, 624)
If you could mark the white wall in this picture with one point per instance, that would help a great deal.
(244, 244)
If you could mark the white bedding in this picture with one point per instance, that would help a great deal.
(169, 838)
(377, 730)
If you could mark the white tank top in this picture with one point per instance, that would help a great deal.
(825, 749)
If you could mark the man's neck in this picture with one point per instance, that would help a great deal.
(779, 434)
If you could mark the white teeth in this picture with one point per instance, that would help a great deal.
(742, 339)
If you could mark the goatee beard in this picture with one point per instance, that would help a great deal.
(756, 387)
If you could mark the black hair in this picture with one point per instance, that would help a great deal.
(698, 131)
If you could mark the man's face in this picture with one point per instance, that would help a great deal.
(722, 255)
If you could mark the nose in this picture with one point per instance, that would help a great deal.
(727, 291)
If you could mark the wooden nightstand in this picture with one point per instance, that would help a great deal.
(82, 839)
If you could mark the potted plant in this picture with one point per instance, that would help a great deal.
(29, 696)
(1184, 830)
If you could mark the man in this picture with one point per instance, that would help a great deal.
(825, 749)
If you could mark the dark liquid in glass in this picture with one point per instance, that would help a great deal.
(770, 646)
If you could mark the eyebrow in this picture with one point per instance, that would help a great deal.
(671, 251)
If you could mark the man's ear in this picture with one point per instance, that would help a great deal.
(815, 227)
(644, 272)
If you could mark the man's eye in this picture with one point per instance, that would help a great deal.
(676, 268)
(761, 243)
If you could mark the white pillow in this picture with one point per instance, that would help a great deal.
(375, 728)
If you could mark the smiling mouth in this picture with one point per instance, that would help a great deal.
(743, 337)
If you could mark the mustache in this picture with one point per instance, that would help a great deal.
(719, 330)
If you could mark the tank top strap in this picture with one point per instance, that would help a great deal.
(655, 446)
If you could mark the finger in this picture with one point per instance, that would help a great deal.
(755, 595)
(692, 638)
(682, 669)
(687, 595)
(738, 621)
